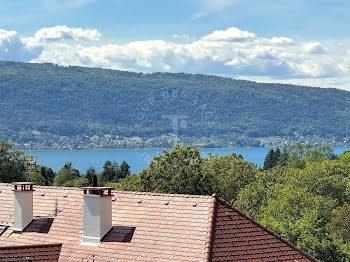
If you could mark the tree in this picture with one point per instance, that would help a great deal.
(48, 175)
(124, 170)
(274, 158)
(90, 173)
(79, 182)
(283, 159)
(340, 223)
(177, 171)
(300, 154)
(299, 216)
(11, 164)
(265, 186)
(229, 174)
(110, 172)
(37, 178)
(268, 162)
(130, 183)
(65, 174)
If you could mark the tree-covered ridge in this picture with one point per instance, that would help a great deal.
(49, 106)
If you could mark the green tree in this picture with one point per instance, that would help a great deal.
(78, 182)
(48, 175)
(124, 170)
(265, 186)
(340, 223)
(37, 178)
(283, 159)
(268, 163)
(229, 174)
(11, 164)
(130, 183)
(300, 154)
(110, 172)
(90, 173)
(177, 171)
(65, 174)
(299, 216)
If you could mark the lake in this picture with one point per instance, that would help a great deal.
(137, 159)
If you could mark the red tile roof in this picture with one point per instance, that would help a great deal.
(148, 227)
(47, 253)
(237, 237)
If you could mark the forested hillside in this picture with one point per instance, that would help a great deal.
(49, 106)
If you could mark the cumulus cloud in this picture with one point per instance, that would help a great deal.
(282, 40)
(183, 37)
(231, 34)
(13, 48)
(58, 33)
(314, 48)
(232, 52)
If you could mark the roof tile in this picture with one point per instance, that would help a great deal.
(148, 227)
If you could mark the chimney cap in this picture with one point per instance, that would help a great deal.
(97, 188)
(23, 186)
(98, 191)
(23, 183)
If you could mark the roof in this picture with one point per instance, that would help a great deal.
(148, 227)
(238, 237)
(47, 253)
(3, 229)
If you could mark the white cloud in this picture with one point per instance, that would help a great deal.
(314, 48)
(58, 33)
(183, 37)
(13, 48)
(282, 40)
(231, 34)
(230, 52)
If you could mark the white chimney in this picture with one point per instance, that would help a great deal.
(97, 213)
(23, 205)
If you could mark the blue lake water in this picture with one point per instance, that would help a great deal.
(137, 159)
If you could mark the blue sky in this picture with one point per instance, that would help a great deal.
(300, 41)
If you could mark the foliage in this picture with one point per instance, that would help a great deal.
(48, 175)
(112, 172)
(228, 174)
(177, 171)
(130, 183)
(340, 224)
(304, 201)
(37, 178)
(300, 154)
(11, 164)
(65, 174)
(90, 174)
(78, 182)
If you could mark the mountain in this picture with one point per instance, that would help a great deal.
(49, 106)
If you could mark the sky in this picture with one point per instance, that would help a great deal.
(304, 42)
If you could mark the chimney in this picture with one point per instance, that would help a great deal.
(97, 213)
(23, 205)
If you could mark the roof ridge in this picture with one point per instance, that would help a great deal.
(266, 229)
(120, 191)
(161, 194)
(211, 229)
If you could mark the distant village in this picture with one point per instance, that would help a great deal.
(53, 142)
